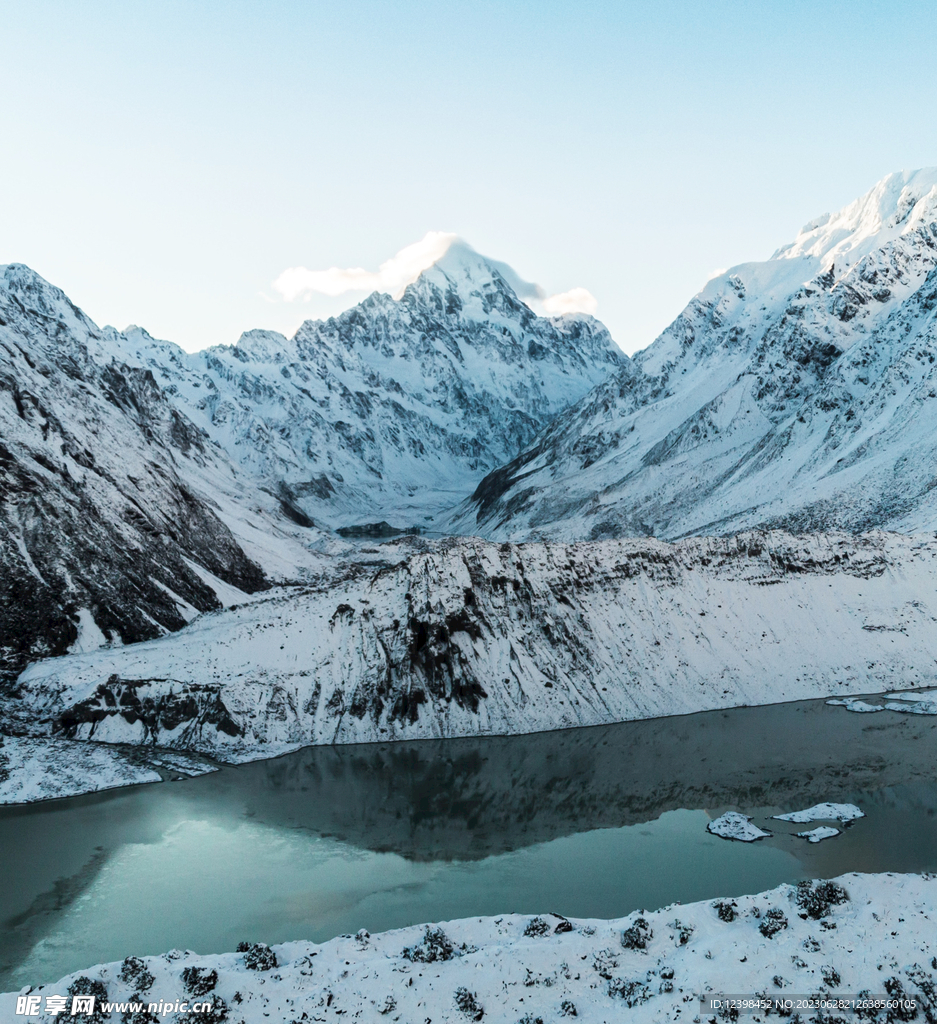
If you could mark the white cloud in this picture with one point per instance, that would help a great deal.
(576, 300)
(392, 276)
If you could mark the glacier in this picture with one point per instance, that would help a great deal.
(458, 638)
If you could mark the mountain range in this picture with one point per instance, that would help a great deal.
(141, 483)
(248, 486)
(395, 409)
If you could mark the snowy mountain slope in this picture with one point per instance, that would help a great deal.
(462, 638)
(394, 409)
(112, 503)
(796, 393)
(122, 514)
(862, 933)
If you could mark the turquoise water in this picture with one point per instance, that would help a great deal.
(586, 823)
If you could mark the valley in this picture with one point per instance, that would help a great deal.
(440, 609)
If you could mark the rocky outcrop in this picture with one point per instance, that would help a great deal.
(158, 712)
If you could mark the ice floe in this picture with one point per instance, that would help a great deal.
(854, 704)
(823, 812)
(917, 707)
(908, 703)
(816, 835)
(733, 825)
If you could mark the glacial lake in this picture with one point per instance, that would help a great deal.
(586, 823)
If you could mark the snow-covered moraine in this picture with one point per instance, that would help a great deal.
(457, 638)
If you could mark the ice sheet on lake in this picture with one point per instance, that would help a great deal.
(908, 703)
(733, 825)
(907, 707)
(36, 768)
(41, 768)
(823, 812)
(854, 704)
(816, 835)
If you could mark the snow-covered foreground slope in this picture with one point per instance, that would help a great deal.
(466, 637)
(395, 409)
(800, 393)
(860, 933)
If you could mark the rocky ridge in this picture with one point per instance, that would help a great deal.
(110, 498)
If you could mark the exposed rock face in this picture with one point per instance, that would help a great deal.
(393, 410)
(798, 393)
(465, 638)
(193, 706)
(98, 513)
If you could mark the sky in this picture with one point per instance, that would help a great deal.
(165, 164)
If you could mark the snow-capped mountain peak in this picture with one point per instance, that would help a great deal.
(265, 346)
(899, 204)
(34, 296)
(467, 272)
(393, 410)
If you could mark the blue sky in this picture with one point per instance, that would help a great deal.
(164, 163)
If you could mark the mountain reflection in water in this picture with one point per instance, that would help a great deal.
(471, 798)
